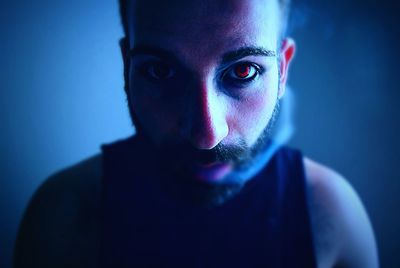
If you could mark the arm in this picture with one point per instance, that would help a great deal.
(343, 234)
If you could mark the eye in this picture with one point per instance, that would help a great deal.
(158, 70)
(241, 73)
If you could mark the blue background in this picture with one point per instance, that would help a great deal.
(61, 96)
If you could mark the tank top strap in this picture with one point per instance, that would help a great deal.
(295, 228)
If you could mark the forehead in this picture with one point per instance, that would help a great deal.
(204, 27)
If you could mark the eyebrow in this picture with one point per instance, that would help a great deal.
(150, 50)
(226, 57)
(245, 52)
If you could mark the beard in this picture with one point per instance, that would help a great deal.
(177, 179)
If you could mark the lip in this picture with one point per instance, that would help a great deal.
(211, 172)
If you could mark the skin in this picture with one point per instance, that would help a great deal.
(60, 226)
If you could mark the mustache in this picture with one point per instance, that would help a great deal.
(220, 153)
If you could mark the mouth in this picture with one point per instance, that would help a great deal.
(211, 172)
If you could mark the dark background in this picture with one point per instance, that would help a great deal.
(62, 96)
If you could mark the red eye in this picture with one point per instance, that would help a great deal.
(242, 73)
(243, 70)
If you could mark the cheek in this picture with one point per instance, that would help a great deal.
(156, 116)
(253, 114)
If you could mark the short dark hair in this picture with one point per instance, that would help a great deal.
(123, 7)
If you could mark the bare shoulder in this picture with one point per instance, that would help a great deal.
(60, 222)
(343, 234)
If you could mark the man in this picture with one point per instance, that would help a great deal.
(197, 186)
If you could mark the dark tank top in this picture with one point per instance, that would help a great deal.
(266, 224)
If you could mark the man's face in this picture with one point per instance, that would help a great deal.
(204, 81)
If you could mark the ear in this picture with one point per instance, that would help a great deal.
(288, 49)
(124, 46)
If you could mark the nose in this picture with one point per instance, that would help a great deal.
(205, 123)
